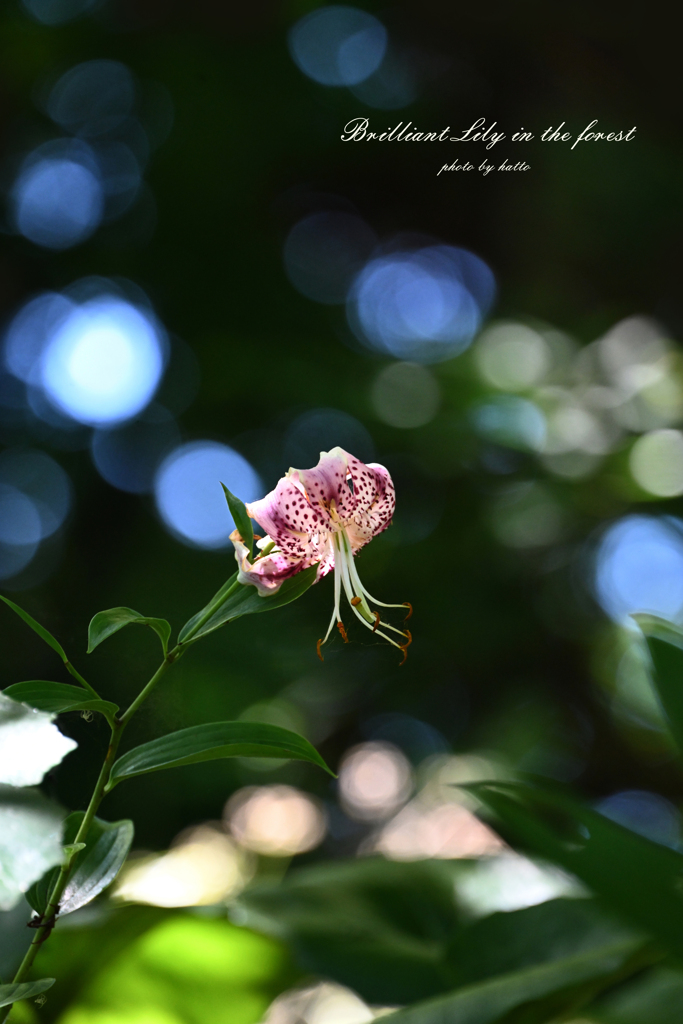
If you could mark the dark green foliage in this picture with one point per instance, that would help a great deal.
(394, 932)
(57, 697)
(96, 866)
(234, 600)
(241, 518)
(106, 623)
(638, 879)
(211, 741)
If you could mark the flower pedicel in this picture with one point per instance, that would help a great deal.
(324, 516)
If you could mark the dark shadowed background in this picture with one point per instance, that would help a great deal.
(285, 292)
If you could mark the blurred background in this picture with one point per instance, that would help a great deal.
(200, 282)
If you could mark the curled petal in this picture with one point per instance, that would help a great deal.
(268, 572)
(377, 501)
(381, 510)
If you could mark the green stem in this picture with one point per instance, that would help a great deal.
(43, 932)
(211, 609)
(100, 791)
(172, 656)
(77, 675)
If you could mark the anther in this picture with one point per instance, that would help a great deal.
(317, 647)
(404, 648)
(340, 627)
(410, 610)
(355, 601)
(377, 622)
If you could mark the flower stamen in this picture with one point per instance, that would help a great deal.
(324, 515)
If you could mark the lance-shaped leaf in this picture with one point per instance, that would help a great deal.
(637, 878)
(211, 741)
(57, 697)
(37, 628)
(240, 515)
(96, 865)
(108, 622)
(29, 743)
(24, 990)
(492, 1000)
(38, 896)
(30, 840)
(246, 600)
(665, 643)
(208, 609)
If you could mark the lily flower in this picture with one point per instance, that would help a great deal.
(324, 516)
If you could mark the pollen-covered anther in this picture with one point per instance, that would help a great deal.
(317, 647)
(409, 606)
(377, 621)
(342, 630)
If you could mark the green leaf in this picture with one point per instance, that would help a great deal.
(38, 895)
(57, 697)
(211, 741)
(73, 848)
(395, 932)
(508, 941)
(380, 927)
(242, 519)
(24, 990)
(106, 623)
(37, 628)
(30, 841)
(212, 606)
(494, 999)
(637, 878)
(96, 866)
(665, 643)
(654, 996)
(106, 847)
(246, 600)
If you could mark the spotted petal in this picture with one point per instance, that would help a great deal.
(328, 482)
(377, 503)
(287, 518)
(381, 508)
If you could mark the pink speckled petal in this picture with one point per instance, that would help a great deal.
(381, 509)
(360, 531)
(286, 517)
(327, 482)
